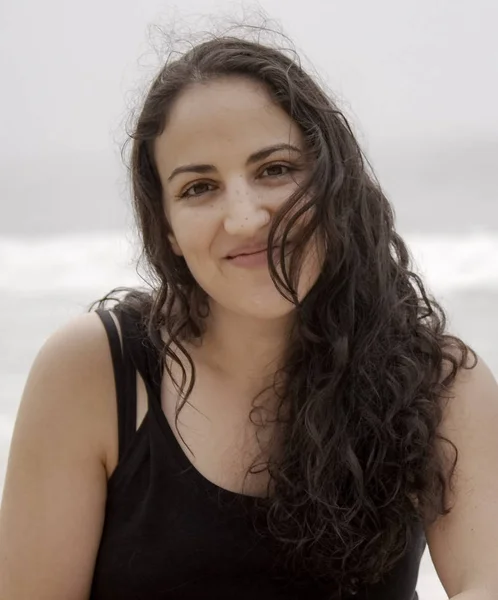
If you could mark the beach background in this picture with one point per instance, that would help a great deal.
(418, 81)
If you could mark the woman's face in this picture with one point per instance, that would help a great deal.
(228, 159)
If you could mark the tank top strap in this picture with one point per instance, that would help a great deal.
(124, 377)
(143, 352)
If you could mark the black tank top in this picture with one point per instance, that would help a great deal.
(171, 534)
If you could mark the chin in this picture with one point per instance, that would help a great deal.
(262, 308)
(262, 302)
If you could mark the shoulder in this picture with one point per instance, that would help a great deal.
(55, 485)
(463, 541)
(470, 401)
(77, 348)
(71, 382)
(472, 394)
(79, 334)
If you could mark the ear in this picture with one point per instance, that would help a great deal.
(174, 245)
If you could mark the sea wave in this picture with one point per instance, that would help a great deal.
(97, 262)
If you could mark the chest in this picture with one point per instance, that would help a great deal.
(216, 430)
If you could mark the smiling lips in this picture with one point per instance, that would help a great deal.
(255, 256)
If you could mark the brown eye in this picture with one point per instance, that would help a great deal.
(197, 189)
(277, 170)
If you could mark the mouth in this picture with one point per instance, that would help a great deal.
(258, 251)
(257, 258)
(251, 253)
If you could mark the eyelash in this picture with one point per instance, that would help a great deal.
(186, 194)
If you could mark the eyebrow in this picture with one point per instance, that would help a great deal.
(256, 157)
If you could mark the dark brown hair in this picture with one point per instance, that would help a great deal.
(370, 362)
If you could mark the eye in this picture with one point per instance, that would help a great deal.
(197, 189)
(277, 170)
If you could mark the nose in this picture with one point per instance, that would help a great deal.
(246, 212)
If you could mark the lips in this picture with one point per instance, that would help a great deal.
(260, 251)
(256, 250)
(248, 251)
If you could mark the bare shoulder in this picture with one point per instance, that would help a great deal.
(74, 365)
(53, 505)
(470, 417)
(472, 389)
(463, 542)
(471, 399)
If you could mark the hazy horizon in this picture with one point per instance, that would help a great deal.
(419, 83)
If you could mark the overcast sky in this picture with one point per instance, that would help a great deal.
(418, 78)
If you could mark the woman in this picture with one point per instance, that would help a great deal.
(292, 418)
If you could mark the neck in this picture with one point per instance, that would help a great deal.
(245, 347)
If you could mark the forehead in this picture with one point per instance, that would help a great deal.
(233, 115)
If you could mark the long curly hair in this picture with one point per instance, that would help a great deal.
(369, 364)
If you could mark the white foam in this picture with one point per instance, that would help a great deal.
(101, 261)
(457, 262)
(66, 263)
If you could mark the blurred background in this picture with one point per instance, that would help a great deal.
(418, 81)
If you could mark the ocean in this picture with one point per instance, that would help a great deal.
(45, 281)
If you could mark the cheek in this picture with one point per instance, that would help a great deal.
(193, 233)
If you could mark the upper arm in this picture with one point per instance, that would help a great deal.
(464, 543)
(53, 504)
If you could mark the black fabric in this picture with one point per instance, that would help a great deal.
(125, 381)
(170, 533)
